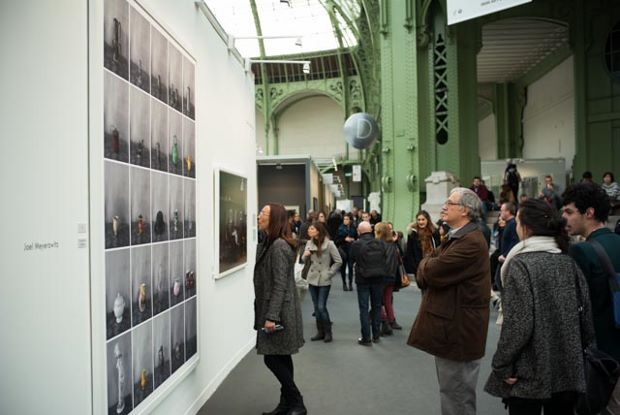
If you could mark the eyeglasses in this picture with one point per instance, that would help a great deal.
(451, 203)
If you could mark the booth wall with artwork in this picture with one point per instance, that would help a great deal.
(117, 111)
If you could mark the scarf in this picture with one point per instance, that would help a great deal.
(531, 244)
(426, 240)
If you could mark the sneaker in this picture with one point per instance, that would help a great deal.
(364, 342)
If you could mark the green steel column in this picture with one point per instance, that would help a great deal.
(399, 94)
(508, 110)
(578, 41)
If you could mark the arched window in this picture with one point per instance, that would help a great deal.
(612, 52)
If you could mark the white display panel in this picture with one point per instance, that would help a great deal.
(461, 10)
(149, 214)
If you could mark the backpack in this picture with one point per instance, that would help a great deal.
(372, 261)
(512, 177)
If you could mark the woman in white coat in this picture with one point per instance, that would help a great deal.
(325, 261)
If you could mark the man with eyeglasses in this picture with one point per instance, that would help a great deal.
(453, 318)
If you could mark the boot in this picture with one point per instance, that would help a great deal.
(328, 331)
(282, 408)
(320, 331)
(386, 330)
(298, 408)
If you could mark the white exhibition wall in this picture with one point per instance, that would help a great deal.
(44, 268)
(549, 116)
(311, 126)
(52, 263)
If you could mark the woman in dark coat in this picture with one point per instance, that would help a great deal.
(277, 313)
(422, 239)
(539, 359)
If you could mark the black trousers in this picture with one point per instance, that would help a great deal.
(282, 368)
(562, 403)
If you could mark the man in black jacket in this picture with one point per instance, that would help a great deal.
(586, 209)
(369, 258)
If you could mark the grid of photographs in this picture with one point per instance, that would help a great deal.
(150, 206)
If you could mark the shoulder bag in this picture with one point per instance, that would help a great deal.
(601, 371)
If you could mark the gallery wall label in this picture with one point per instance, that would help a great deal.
(40, 246)
(462, 10)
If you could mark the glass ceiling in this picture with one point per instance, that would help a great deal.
(305, 19)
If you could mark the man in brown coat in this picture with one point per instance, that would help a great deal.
(454, 314)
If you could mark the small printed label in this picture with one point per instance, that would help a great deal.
(82, 243)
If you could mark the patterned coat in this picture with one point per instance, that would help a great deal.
(276, 299)
(540, 341)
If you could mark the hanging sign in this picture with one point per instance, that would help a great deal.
(461, 10)
(357, 173)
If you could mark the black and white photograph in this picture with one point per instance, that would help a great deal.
(159, 206)
(175, 63)
(116, 36)
(159, 136)
(140, 55)
(119, 375)
(189, 254)
(161, 273)
(189, 148)
(232, 221)
(177, 338)
(118, 292)
(191, 340)
(175, 163)
(159, 65)
(142, 362)
(189, 89)
(115, 118)
(140, 128)
(189, 217)
(141, 284)
(177, 274)
(140, 205)
(161, 348)
(176, 207)
(117, 217)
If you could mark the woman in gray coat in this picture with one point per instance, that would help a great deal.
(277, 313)
(325, 261)
(539, 359)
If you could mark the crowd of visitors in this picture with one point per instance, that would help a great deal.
(556, 299)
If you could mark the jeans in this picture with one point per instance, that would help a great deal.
(374, 292)
(457, 385)
(319, 296)
(387, 312)
(282, 367)
(346, 263)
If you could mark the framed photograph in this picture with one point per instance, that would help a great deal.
(115, 118)
(120, 396)
(142, 362)
(140, 180)
(116, 204)
(116, 37)
(161, 277)
(175, 67)
(159, 65)
(118, 292)
(161, 347)
(141, 284)
(230, 221)
(188, 89)
(140, 59)
(140, 128)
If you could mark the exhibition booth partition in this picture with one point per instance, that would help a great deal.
(152, 296)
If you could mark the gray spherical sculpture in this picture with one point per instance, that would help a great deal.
(361, 130)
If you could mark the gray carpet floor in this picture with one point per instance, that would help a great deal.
(342, 377)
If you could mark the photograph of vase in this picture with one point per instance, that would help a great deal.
(141, 283)
(175, 62)
(177, 273)
(139, 128)
(188, 88)
(189, 206)
(161, 273)
(176, 207)
(177, 340)
(119, 371)
(189, 263)
(191, 328)
(142, 350)
(189, 148)
(175, 134)
(160, 205)
(118, 292)
(159, 135)
(116, 188)
(161, 347)
(140, 184)
(116, 37)
(140, 53)
(115, 118)
(159, 65)
(119, 308)
(176, 290)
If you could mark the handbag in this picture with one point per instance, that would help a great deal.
(601, 372)
(404, 279)
(305, 269)
(614, 279)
